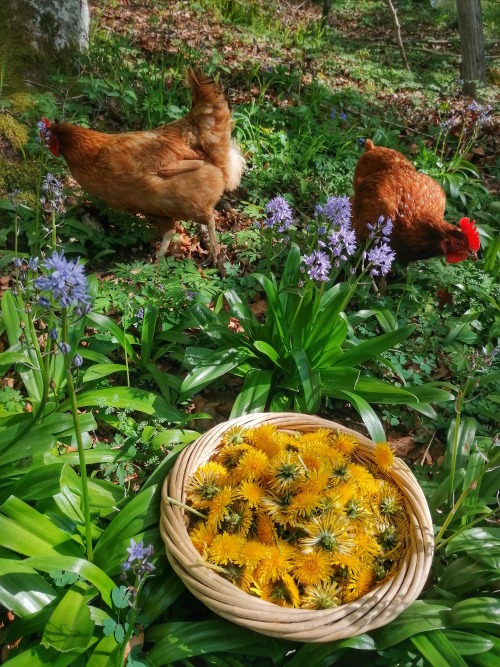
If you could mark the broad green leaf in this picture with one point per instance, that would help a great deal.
(215, 366)
(275, 309)
(291, 270)
(139, 514)
(106, 653)
(39, 656)
(480, 612)
(27, 532)
(70, 626)
(254, 393)
(80, 566)
(369, 349)
(128, 397)
(192, 639)
(421, 616)
(368, 415)
(310, 380)
(241, 310)
(467, 643)
(378, 391)
(148, 331)
(440, 495)
(268, 351)
(437, 649)
(160, 592)
(98, 371)
(173, 437)
(339, 379)
(106, 324)
(466, 434)
(22, 589)
(474, 539)
(314, 655)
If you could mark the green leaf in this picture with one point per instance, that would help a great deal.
(106, 324)
(370, 349)
(254, 393)
(98, 371)
(421, 616)
(79, 566)
(127, 397)
(368, 415)
(106, 653)
(480, 612)
(377, 391)
(268, 351)
(241, 310)
(468, 644)
(70, 626)
(474, 539)
(215, 365)
(310, 399)
(275, 311)
(192, 639)
(437, 649)
(148, 331)
(16, 594)
(317, 655)
(39, 656)
(27, 532)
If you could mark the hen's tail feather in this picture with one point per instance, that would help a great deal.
(211, 117)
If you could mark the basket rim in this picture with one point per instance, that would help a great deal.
(376, 608)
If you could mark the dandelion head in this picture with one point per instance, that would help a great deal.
(225, 547)
(329, 532)
(345, 442)
(359, 584)
(251, 492)
(202, 535)
(253, 465)
(384, 456)
(324, 595)
(263, 438)
(234, 436)
(312, 568)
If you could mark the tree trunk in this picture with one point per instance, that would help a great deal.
(41, 35)
(470, 26)
(397, 32)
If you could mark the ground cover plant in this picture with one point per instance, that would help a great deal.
(111, 364)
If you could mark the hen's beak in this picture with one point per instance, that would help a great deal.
(472, 254)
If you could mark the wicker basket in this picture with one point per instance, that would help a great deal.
(373, 610)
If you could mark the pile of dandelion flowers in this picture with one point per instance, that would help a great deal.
(296, 518)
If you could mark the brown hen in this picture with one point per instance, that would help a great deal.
(387, 184)
(177, 171)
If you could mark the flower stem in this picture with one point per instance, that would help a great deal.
(79, 440)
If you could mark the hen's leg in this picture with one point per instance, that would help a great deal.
(166, 227)
(212, 240)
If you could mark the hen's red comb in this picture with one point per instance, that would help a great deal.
(470, 232)
(47, 122)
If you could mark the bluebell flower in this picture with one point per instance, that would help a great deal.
(140, 314)
(33, 263)
(361, 141)
(318, 264)
(52, 334)
(333, 112)
(77, 360)
(64, 347)
(44, 302)
(67, 282)
(381, 257)
(18, 262)
(190, 296)
(343, 116)
(279, 214)
(336, 209)
(137, 551)
(52, 200)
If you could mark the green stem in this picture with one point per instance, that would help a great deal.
(125, 345)
(79, 440)
(454, 451)
(54, 230)
(483, 517)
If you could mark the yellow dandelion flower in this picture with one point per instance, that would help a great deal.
(238, 519)
(251, 492)
(277, 506)
(333, 501)
(361, 476)
(312, 568)
(367, 547)
(322, 596)
(252, 465)
(303, 504)
(345, 442)
(234, 436)
(278, 562)
(218, 506)
(329, 532)
(266, 531)
(230, 454)
(359, 584)
(205, 484)
(345, 491)
(264, 438)
(384, 456)
(225, 548)
(238, 575)
(202, 536)
(335, 458)
(322, 435)
(313, 454)
(283, 592)
(251, 553)
(391, 501)
(317, 480)
(346, 562)
(284, 470)
(357, 511)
